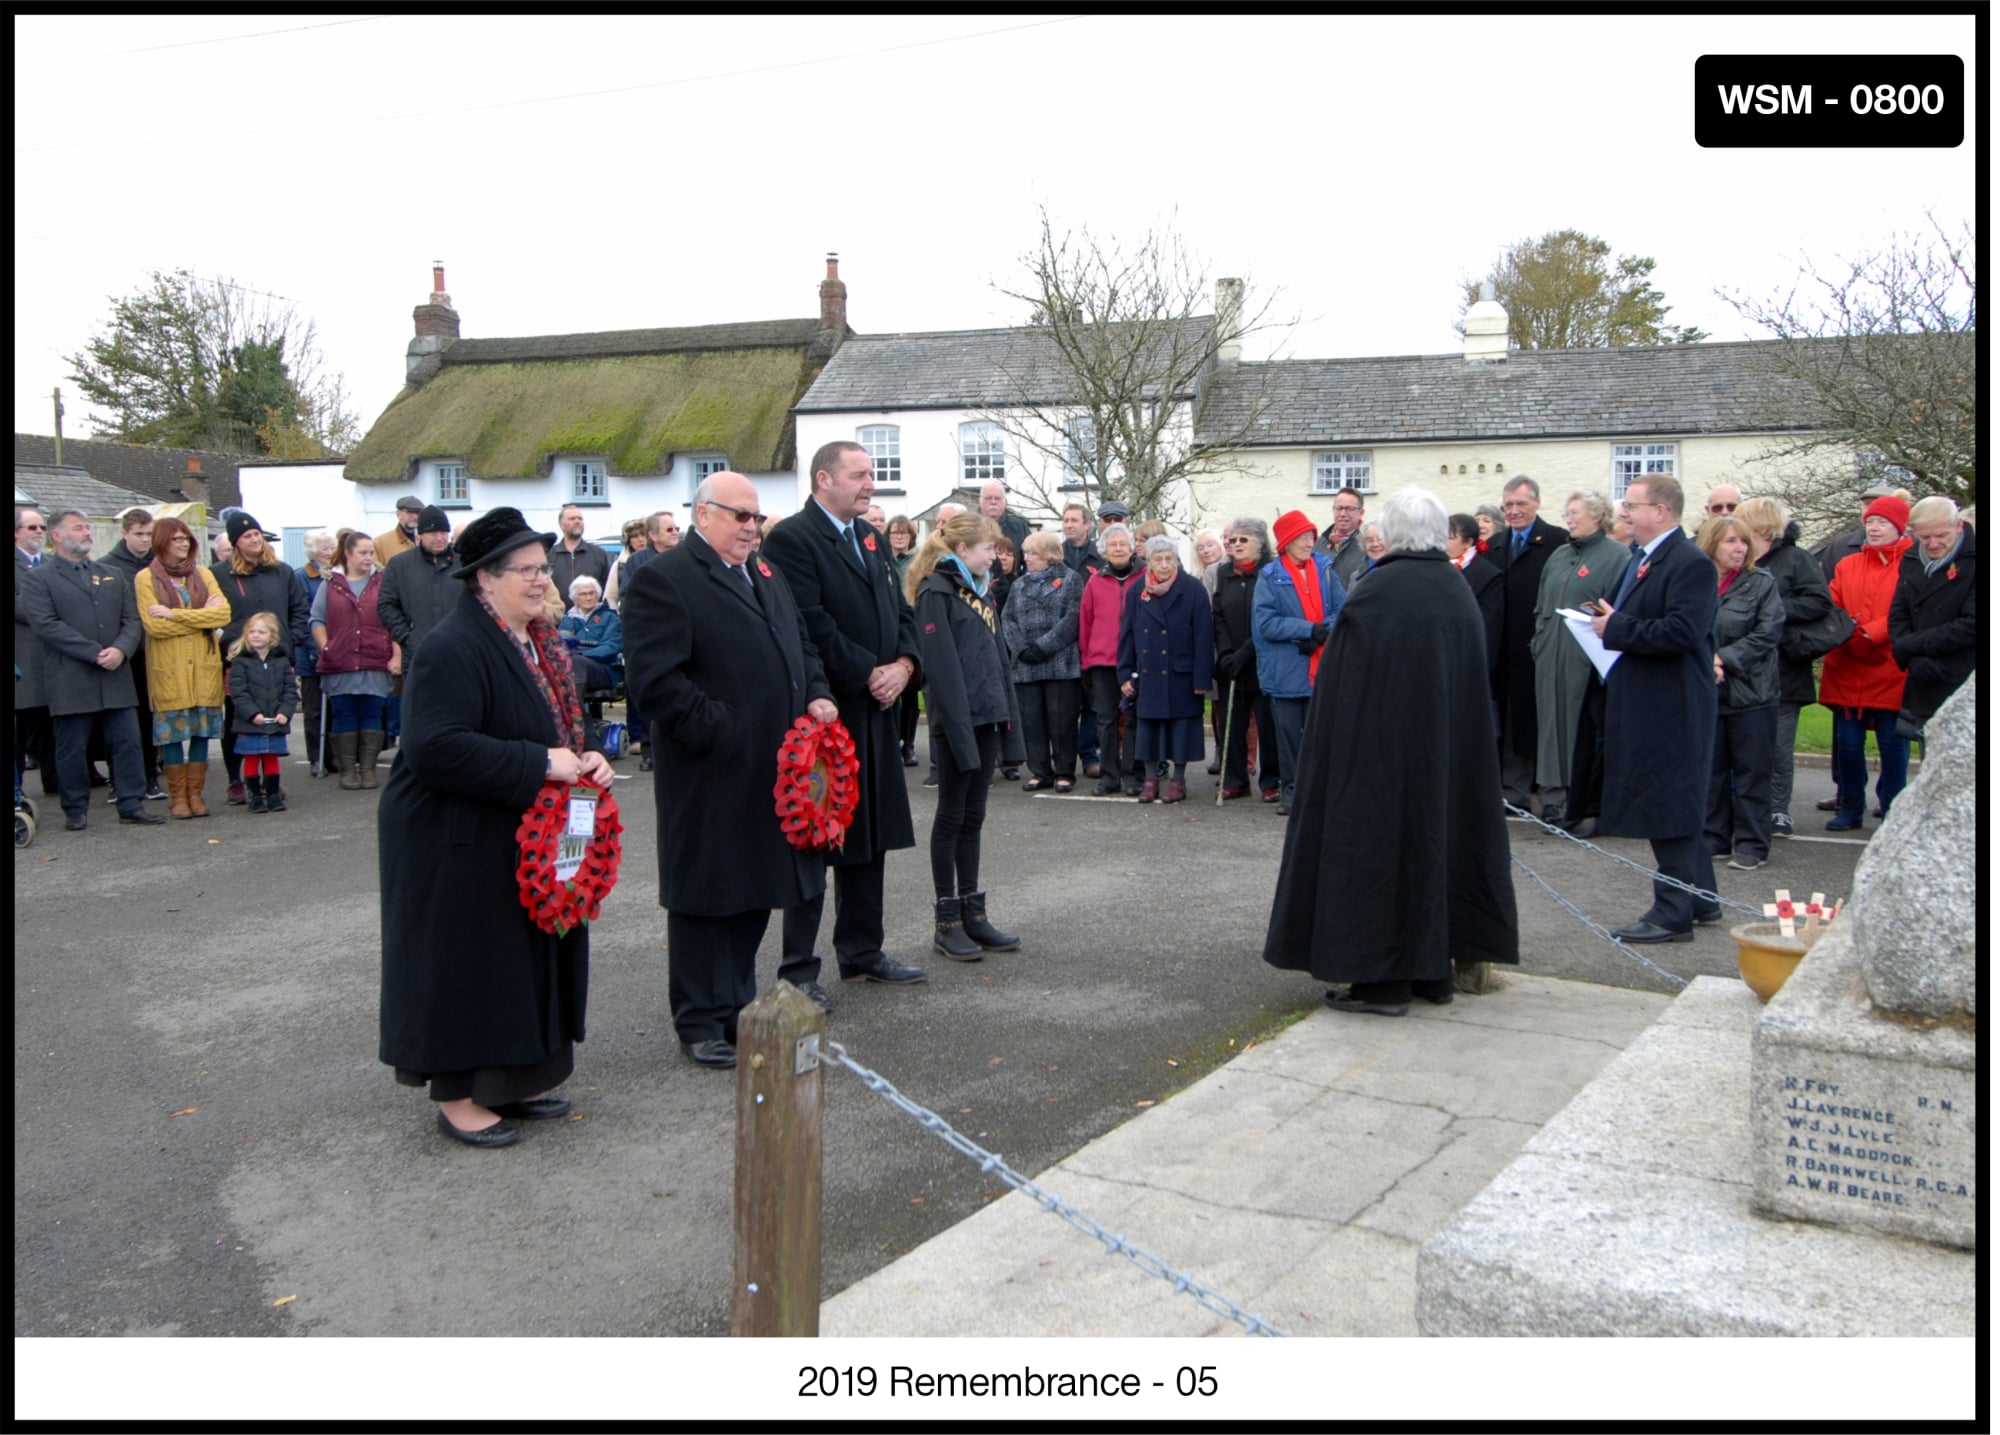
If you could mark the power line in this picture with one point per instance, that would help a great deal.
(225, 39)
(550, 99)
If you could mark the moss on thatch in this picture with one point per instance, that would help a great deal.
(508, 420)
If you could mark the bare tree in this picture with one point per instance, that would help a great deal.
(1104, 386)
(1880, 357)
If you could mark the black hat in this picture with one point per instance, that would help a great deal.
(239, 524)
(494, 535)
(1114, 510)
(409, 501)
(433, 520)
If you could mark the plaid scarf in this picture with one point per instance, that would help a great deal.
(552, 672)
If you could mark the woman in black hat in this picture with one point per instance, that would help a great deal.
(477, 1001)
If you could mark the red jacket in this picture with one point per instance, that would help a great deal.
(1103, 609)
(1863, 672)
(356, 640)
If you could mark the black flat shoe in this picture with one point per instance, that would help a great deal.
(535, 1108)
(1708, 918)
(883, 969)
(76, 822)
(500, 1133)
(645, 762)
(1645, 933)
(1347, 1003)
(142, 818)
(818, 994)
(1585, 828)
(717, 1053)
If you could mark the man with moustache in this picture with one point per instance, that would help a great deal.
(838, 567)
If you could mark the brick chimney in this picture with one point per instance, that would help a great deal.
(833, 297)
(437, 330)
(194, 483)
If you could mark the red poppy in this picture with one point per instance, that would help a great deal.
(869, 543)
(1057, 582)
(1583, 572)
(1951, 574)
(763, 567)
(1482, 545)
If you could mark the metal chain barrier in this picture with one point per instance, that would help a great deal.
(1578, 913)
(1635, 866)
(834, 1054)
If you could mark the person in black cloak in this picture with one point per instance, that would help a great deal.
(1397, 866)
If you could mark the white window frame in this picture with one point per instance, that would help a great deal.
(1346, 468)
(588, 481)
(707, 465)
(454, 490)
(982, 452)
(883, 444)
(1630, 461)
(1079, 445)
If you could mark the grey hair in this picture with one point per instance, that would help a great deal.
(1594, 503)
(584, 580)
(1523, 481)
(55, 520)
(1935, 509)
(1160, 543)
(704, 492)
(1413, 521)
(1492, 511)
(1120, 529)
(1255, 528)
(1374, 523)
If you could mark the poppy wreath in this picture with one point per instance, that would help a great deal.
(817, 786)
(557, 906)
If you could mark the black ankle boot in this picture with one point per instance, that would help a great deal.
(951, 940)
(972, 913)
(255, 787)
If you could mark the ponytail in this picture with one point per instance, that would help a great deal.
(960, 528)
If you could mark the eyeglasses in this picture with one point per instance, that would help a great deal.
(1240, 538)
(531, 570)
(742, 515)
(1722, 508)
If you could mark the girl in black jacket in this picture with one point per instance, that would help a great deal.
(972, 708)
(263, 700)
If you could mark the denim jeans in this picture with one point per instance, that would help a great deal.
(1850, 757)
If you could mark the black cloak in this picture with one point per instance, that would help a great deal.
(1395, 859)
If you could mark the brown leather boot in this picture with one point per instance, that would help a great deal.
(344, 745)
(176, 780)
(193, 778)
(370, 750)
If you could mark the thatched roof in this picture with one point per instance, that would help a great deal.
(506, 407)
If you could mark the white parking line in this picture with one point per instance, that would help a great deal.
(1833, 841)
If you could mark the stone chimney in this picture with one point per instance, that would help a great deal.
(1228, 321)
(437, 330)
(194, 483)
(833, 297)
(1486, 329)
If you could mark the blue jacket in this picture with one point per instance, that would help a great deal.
(600, 636)
(1278, 621)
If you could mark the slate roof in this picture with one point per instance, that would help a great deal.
(154, 472)
(635, 397)
(51, 488)
(962, 368)
(1547, 393)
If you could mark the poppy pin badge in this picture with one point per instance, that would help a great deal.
(1482, 545)
(763, 567)
(1145, 597)
(1057, 583)
(869, 543)
(1583, 572)
(930, 627)
(1951, 574)
(1642, 571)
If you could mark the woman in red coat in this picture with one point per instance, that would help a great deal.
(1861, 681)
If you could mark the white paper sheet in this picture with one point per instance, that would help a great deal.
(1586, 638)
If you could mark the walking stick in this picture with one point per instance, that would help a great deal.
(1228, 713)
(320, 771)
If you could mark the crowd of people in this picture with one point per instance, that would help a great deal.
(1093, 653)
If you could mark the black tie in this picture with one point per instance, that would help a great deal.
(854, 547)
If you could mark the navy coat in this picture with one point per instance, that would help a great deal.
(1167, 645)
(721, 668)
(76, 612)
(1660, 700)
(468, 979)
(857, 620)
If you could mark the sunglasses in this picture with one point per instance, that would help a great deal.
(1722, 508)
(742, 515)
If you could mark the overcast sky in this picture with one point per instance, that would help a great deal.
(582, 173)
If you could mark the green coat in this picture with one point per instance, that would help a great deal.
(1576, 574)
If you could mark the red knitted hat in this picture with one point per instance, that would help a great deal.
(1290, 526)
(1892, 508)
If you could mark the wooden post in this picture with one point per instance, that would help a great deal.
(779, 1082)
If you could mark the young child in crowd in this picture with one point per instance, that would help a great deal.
(263, 696)
(969, 695)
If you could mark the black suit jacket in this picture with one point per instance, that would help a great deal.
(1522, 578)
(858, 619)
(721, 668)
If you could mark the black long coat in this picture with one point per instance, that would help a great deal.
(1235, 633)
(1488, 582)
(721, 672)
(28, 689)
(76, 612)
(1803, 591)
(468, 979)
(1934, 626)
(1660, 700)
(968, 680)
(858, 620)
(1395, 866)
(1522, 577)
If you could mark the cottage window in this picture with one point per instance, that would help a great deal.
(884, 443)
(1335, 471)
(1079, 450)
(1631, 461)
(982, 453)
(703, 467)
(587, 482)
(452, 491)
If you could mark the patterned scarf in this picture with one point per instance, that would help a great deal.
(1162, 588)
(552, 673)
(169, 578)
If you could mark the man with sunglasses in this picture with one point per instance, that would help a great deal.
(1723, 500)
(721, 662)
(34, 733)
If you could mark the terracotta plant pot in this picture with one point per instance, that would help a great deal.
(1766, 956)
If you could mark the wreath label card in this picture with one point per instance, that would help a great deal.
(570, 849)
